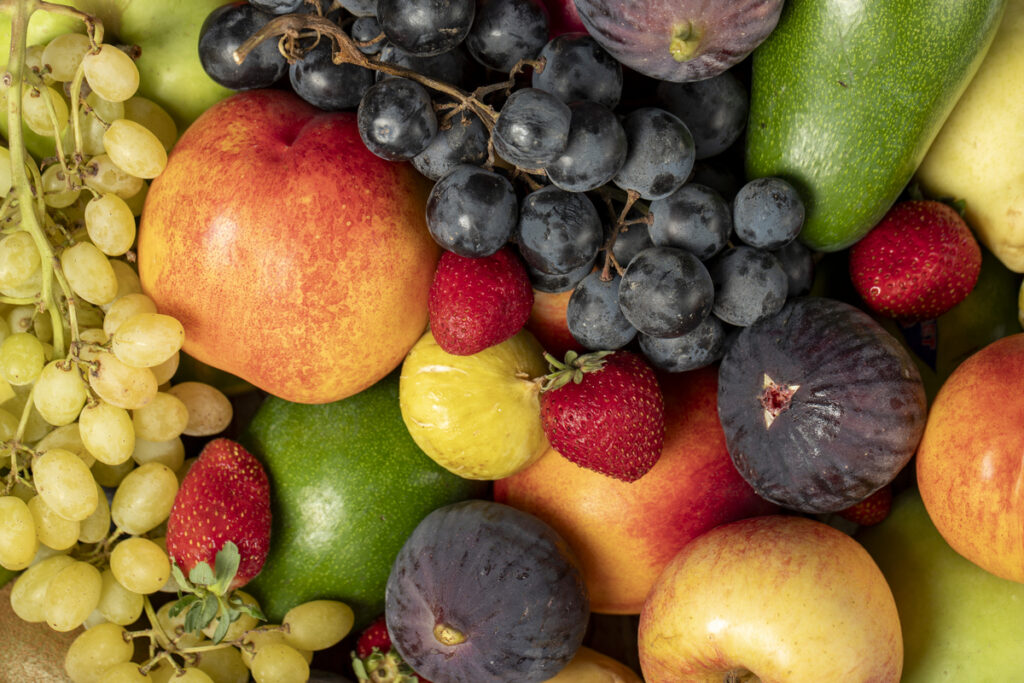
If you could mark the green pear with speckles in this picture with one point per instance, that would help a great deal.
(348, 485)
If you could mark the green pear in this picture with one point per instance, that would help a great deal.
(959, 622)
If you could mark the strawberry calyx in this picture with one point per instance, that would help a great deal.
(572, 369)
(205, 595)
(383, 667)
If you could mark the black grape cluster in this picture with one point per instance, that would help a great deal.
(619, 188)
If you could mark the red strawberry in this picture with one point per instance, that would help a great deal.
(376, 661)
(604, 411)
(917, 263)
(872, 509)
(476, 303)
(224, 497)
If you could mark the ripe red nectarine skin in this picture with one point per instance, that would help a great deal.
(294, 257)
(625, 533)
(970, 462)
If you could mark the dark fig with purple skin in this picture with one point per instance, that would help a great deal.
(820, 405)
(679, 40)
(485, 593)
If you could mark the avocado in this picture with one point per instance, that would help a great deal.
(347, 485)
(846, 98)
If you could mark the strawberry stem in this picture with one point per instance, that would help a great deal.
(572, 369)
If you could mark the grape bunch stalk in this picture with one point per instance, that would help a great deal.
(91, 417)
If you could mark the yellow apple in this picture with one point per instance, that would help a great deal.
(978, 155)
(781, 597)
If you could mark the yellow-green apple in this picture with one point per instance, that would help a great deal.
(959, 622)
(978, 154)
(969, 461)
(625, 533)
(779, 598)
(590, 666)
(294, 258)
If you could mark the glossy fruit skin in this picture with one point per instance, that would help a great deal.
(349, 485)
(289, 176)
(853, 75)
(850, 425)
(675, 40)
(499, 576)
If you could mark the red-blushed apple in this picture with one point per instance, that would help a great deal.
(625, 533)
(970, 462)
(294, 258)
(778, 598)
(548, 325)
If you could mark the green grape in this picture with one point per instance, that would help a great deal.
(147, 339)
(19, 318)
(94, 528)
(162, 419)
(125, 672)
(69, 438)
(18, 539)
(209, 410)
(65, 483)
(165, 371)
(144, 498)
(174, 627)
(135, 149)
(42, 328)
(317, 624)
(89, 273)
(239, 626)
(118, 605)
(218, 666)
(60, 393)
(140, 565)
(8, 425)
(119, 384)
(103, 175)
(93, 123)
(112, 475)
(22, 357)
(279, 663)
(95, 651)
(194, 674)
(110, 224)
(36, 427)
(34, 62)
(63, 54)
(111, 73)
(36, 114)
(125, 307)
(73, 593)
(107, 433)
(19, 261)
(127, 281)
(170, 453)
(154, 117)
(53, 530)
(58, 193)
(264, 636)
(28, 594)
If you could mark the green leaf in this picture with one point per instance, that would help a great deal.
(252, 610)
(226, 566)
(183, 583)
(222, 627)
(181, 604)
(359, 669)
(201, 575)
(210, 608)
(193, 618)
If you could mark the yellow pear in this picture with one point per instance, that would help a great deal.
(978, 155)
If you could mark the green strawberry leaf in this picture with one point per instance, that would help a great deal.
(183, 602)
(179, 577)
(225, 567)
(201, 575)
(222, 626)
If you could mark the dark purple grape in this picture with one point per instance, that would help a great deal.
(798, 262)
(715, 110)
(396, 119)
(278, 6)
(454, 67)
(223, 31)
(595, 151)
(558, 231)
(506, 32)
(367, 30)
(723, 178)
(767, 213)
(578, 68)
(631, 240)
(666, 292)
(463, 140)
(695, 218)
(698, 348)
(472, 211)
(750, 284)
(555, 283)
(532, 128)
(660, 155)
(426, 27)
(326, 85)
(593, 314)
(360, 8)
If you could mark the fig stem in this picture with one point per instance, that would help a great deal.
(448, 635)
(685, 41)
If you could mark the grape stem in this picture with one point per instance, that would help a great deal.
(609, 258)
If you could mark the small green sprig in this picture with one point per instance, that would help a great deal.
(571, 369)
(206, 593)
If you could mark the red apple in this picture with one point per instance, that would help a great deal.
(294, 258)
(565, 18)
(775, 598)
(970, 467)
(625, 533)
(548, 325)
